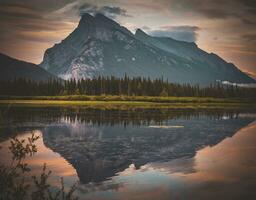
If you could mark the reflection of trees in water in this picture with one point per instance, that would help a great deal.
(110, 117)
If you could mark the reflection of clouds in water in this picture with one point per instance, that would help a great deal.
(224, 171)
(128, 171)
(230, 160)
(96, 187)
(54, 162)
(182, 166)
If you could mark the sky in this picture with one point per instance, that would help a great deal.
(225, 27)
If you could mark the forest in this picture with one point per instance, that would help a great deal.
(120, 86)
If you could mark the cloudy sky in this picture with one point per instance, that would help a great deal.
(225, 27)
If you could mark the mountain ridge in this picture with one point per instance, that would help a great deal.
(100, 46)
(11, 68)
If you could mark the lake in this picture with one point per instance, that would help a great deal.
(140, 153)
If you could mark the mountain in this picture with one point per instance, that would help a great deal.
(11, 68)
(253, 76)
(100, 46)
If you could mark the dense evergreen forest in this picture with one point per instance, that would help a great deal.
(120, 86)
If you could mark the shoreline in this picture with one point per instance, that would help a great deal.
(128, 102)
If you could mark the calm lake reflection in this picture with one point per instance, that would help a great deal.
(141, 154)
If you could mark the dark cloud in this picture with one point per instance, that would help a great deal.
(207, 8)
(6, 14)
(87, 8)
(217, 9)
(248, 21)
(252, 11)
(27, 15)
(249, 37)
(250, 6)
(18, 11)
(113, 10)
(109, 11)
(182, 33)
(37, 5)
(216, 13)
(248, 3)
(27, 26)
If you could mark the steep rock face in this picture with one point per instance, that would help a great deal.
(11, 68)
(80, 55)
(100, 46)
(210, 66)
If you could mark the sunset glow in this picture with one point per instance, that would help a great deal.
(226, 28)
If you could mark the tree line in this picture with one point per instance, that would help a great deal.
(137, 86)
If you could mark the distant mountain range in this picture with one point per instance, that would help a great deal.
(100, 46)
(11, 68)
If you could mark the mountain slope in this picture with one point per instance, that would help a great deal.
(253, 76)
(100, 46)
(11, 68)
(211, 66)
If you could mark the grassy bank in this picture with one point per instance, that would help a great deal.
(127, 101)
(109, 98)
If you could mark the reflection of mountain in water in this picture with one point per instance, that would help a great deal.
(99, 143)
(100, 151)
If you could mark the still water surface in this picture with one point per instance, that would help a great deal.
(141, 154)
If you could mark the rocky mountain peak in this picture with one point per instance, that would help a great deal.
(102, 17)
(99, 26)
(101, 46)
(98, 19)
(86, 18)
(140, 32)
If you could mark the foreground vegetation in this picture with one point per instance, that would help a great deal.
(17, 184)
